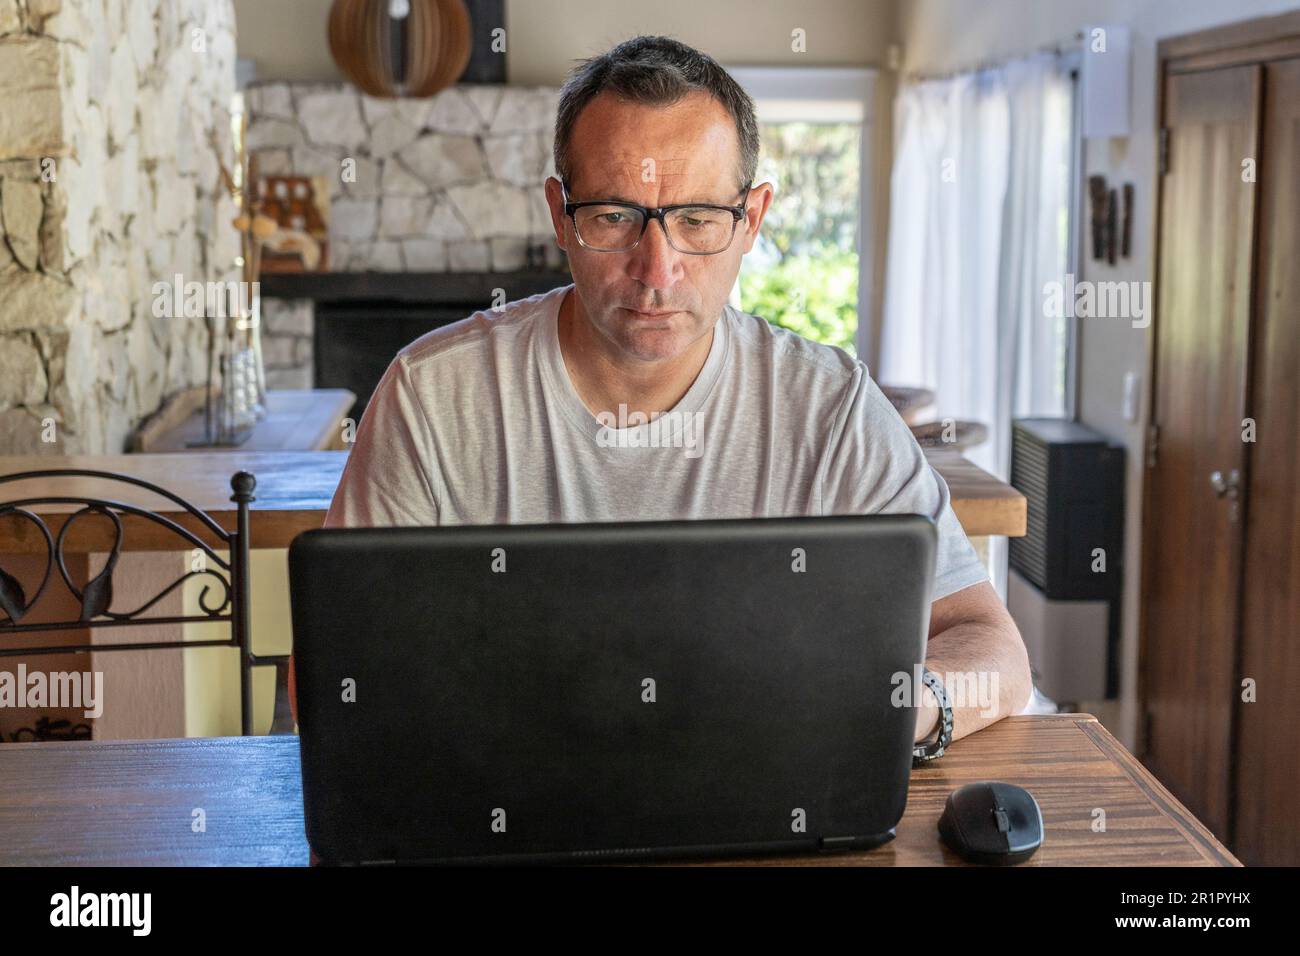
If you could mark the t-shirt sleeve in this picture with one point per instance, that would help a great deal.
(875, 465)
(388, 479)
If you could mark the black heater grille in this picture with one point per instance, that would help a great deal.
(1073, 481)
(1029, 477)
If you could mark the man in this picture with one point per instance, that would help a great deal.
(637, 394)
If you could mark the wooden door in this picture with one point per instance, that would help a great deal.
(1267, 828)
(1192, 527)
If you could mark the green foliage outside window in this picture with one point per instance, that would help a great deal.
(816, 297)
(803, 272)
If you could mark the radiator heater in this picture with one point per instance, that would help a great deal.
(1066, 573)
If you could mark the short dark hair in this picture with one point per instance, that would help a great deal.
(658, 71)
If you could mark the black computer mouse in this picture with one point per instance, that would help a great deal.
(992, 823)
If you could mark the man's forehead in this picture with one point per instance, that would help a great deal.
(622, 149)
(629, 175)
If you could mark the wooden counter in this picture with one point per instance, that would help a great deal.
(983, 504)
(294, 491)
(296, 420)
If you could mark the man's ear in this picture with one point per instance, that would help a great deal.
(756, 204)
(555, 203)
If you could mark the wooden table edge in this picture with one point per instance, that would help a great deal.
(1196, 833)
(1192, 830)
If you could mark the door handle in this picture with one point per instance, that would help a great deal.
(1225, 486)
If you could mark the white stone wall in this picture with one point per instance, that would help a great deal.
(449, 183)
(287, 328)
(452, 183)
(108, 184)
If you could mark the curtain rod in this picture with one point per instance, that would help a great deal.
(1059, 48)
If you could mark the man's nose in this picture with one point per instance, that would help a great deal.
(655, 263)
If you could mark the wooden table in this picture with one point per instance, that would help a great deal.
(294, 491)
(131, 802)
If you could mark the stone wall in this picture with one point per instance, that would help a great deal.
(108, 185)
(452, 183)
(449, 183)
(287, 329)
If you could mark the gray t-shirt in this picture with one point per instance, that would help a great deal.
(479, 423)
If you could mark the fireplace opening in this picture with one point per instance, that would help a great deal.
(362, 320)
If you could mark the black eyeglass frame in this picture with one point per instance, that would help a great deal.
(658, 212)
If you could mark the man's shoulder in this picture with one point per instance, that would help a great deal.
(793, 357)
(498, 327)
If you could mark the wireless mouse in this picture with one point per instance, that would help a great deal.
(992, 823)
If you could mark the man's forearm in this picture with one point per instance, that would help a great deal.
(984, 669)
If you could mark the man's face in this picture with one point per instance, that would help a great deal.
(688, 152)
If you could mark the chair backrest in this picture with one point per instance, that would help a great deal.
(227, 577)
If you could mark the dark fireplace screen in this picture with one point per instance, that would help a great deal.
(356, 339)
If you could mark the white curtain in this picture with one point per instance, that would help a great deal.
(978, 225)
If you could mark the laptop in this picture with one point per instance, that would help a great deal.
(597, 692)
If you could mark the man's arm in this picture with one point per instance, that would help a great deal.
(874, 465)
(975, 648)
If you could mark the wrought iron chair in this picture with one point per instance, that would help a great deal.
(97, 596)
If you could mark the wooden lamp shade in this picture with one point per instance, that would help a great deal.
(392, 48)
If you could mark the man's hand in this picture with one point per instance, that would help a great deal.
(975, 648)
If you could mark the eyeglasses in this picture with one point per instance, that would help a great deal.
(694, 229)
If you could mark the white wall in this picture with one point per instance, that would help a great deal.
(944, 35)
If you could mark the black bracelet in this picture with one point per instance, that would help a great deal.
(925, 752)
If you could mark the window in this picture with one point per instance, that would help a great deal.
(806, 272)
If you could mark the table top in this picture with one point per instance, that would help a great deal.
(133, 802)
(294, 491)
(296, 420)
(292, 495)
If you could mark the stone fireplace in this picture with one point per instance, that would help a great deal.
(446, 191)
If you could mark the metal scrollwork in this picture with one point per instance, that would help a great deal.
(215, 599)
(13, 601)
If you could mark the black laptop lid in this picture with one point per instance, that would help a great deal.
(581, 690)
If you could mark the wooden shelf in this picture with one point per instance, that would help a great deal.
(309, 420)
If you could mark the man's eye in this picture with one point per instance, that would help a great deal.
(611, 218)
(698, 221)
